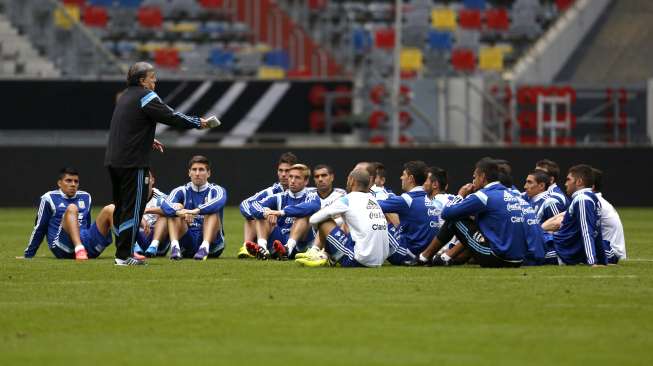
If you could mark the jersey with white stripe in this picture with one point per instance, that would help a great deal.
(559, 195)
(611, 227)
(209, 198)
(246, 204)
(579, 239)
(157, 199)
(367, 226)
(52, 207)
(545, 206)
(381, 193)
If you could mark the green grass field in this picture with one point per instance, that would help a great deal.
(229, 311)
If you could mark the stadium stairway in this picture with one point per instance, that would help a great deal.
(617, 49)
(18, 57)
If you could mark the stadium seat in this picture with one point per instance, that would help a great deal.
(384, 38)
(167, 58)
(150, 17)
(562, 5)
(410, 59)
(316, 121)
(66, 21)
(130, 3)
(361, 40)
(79, 3)
(441, 41)
(490, 59)
(100, 2)
(497, 19)
(474, 4)
(277, 58)
(222, 59)
(377, 119)
(271, 72)
(316, 5)
(211, 4)
(469, 18)
(95, 16)
(443, 19)
(463, 60)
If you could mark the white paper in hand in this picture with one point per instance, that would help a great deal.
(213, 122)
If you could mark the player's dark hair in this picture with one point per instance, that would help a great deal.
(505, 173)
(489, 168)
(598, 179)
(550, 166)
(137, 72)
(379, 169)
(287, 158)
(541, 176)
(439, 175)
(199, 159)
(67, 171)
(323, 166)
(417, 169)
(584, 172)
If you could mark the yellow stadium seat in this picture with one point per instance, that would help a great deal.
(151, 46)
(411, 59)
(491, 59)
(444, 19)
(267, 72)
(64, 21)
(184, 27)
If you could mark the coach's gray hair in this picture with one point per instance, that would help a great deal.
(138, 71)
(361, 178)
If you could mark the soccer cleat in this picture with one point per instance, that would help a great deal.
(139, 256)
(258, 251)
(81, 255)
(151, 251)
(244, 254)
(201, 254)
(313, 262)
(280, 251)
(439, 262)
(175, 254)
(311, 252)
(129, 262)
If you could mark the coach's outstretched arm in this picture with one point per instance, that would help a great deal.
(158, 111)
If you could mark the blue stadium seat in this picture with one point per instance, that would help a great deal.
(130, 3)
(101, 2)
(277, 58)
(362, 40)
(222, 59)
(475, 4)
(441, 41)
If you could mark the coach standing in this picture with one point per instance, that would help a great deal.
(128, 152)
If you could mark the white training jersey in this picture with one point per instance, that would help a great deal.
(367, 226)
(155, 201)
(335, 194)
(611, 228)
(380, 193)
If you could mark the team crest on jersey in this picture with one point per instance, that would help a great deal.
(371, 204)
(81, 204)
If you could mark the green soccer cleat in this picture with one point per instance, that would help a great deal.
(313, 262)
(310, 253)
(243, 253)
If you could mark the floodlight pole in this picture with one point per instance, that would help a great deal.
(396, 79)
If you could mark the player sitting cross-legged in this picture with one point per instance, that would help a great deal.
(64, 216)
(195, 214)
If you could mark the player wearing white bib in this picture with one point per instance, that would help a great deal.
(367, 242)
(611, 228)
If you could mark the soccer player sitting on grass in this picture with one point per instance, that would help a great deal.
(611, 228)
(152, 236)
(577, 238)
(64, 216)
(553, 170)
(539, 197)
(195, 214)
(417, 216)
(366, 243)
(496, 236)
(286, 160)
(378, 188)
(293, 231)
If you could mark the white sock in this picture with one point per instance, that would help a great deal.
(154, 244)
(174, 244)
(78, 247)
(205, 245)
(445, 257)
(262, 243)
(291, 244)
(422, 258)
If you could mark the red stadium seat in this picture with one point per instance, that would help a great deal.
(497, 19)
(463, 60)
(377, 119)
(343, 101)
(95, 16)
(384, 38)
(211, 4)
(469, 19)
(316, 95)
(563, 4)
(150, 17)
(377, 140)
(317, 4)
(78, 3)
(316, 121)
(167, 58)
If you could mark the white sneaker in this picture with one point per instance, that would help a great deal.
(129, 262)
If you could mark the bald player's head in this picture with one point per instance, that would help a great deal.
(137, 72)
(370, 168)
(358, 180)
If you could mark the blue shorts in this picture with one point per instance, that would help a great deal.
(340, 246)
(191, 241)
(401, 255)
(94, 242)
(245, 210)
(143, 242)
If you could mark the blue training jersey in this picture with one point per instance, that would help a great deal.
(209, 198)
(545, 206)
(499, 216)
(579, 239)
(298, 204)
(560, 196)
(246, 204)
(52, 207)
(536, 250)
(418, 218)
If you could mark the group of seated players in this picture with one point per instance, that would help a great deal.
(489, 222)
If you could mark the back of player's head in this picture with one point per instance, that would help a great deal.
(67, 171)
(137, 72)
(549, 166)
(438, 175)
(323, 166)
(379, 169)
(361, 179)
(287, 158)
(505, 173)
(199, 159)
(370, 167)
(584, 172)
(489, 168)
(540, 176)
(598, 179)
(417, 169)
(304, 170)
